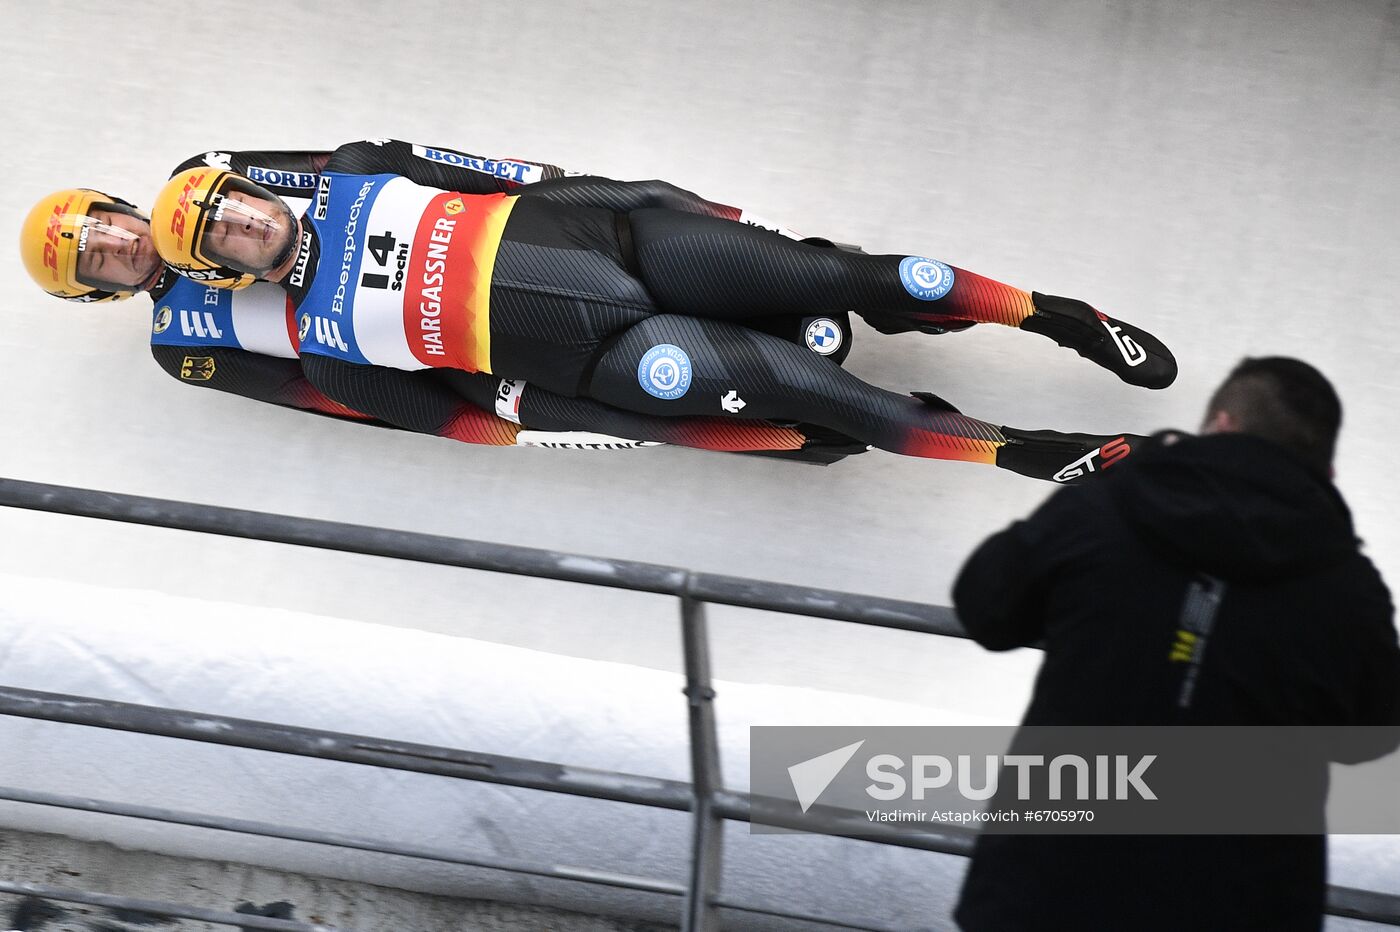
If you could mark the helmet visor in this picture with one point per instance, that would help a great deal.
(111, 256)
(246, 227)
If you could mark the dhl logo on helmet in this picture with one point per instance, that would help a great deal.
(182, 208)
(51, 234)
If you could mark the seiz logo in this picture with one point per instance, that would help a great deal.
(328, 334)
(1110, 452)
(197, 368)
(508, 396)
(323, 197)
(52, 231)
(199, 324)
(518, 172)
(284, 179)
(1133, 354)
(182, 209)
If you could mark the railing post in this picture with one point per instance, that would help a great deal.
(708, 832)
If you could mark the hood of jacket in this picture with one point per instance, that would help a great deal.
(1233, 506)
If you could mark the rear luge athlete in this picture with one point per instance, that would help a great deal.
(647, 309)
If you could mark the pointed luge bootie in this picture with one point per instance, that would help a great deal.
(1133, 354)
(1061, 457)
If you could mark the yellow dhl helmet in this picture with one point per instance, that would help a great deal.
(56, 231)
(258, 235)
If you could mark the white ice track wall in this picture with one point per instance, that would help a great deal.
(1220, 173)
(388, 682)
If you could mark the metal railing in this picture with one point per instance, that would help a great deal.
(704, 797)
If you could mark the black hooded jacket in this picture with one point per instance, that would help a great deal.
(1098, 575)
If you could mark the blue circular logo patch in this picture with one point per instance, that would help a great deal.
(925, 279)
(664, 372)
(823, 336)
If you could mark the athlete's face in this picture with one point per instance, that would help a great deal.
(118, 250)
(252, 233)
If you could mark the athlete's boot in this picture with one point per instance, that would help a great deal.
(1134, 355)
(1060, 457)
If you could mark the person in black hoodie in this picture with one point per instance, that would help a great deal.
(1302, 635)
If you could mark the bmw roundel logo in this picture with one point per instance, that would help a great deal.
(664, 372)
(925, 279)
(303, 326)
(823, 336)
(162, 319)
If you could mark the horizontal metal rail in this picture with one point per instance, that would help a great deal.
(161, 908)
(336, 840)
(1368, 905)
(480, 555)
(613, 786)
